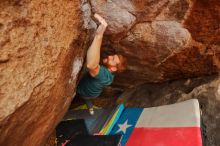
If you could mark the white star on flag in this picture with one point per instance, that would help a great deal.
(123, 127)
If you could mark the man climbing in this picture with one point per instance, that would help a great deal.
(98, 76)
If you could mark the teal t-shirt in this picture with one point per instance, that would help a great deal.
(92, 86)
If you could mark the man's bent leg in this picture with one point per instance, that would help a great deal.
(89, 104)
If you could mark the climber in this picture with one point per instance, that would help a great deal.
(98, 75)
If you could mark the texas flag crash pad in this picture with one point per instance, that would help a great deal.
(170, 125)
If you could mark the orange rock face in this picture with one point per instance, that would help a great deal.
(41, 54)
(43, 44)
(169, 39)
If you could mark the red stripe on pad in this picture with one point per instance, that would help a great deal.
(183, 136)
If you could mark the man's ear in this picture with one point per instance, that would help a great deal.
(113, 69)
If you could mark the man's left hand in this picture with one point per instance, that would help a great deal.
(102, 27)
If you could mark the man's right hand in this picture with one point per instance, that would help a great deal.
(102, 27)
(101, 19)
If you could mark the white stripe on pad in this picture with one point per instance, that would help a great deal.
(183, 114)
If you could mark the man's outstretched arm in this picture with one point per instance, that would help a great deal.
(93, 53)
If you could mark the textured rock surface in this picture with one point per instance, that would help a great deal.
(41, 54)
(162, 43)
(118, 18)
(43, 42)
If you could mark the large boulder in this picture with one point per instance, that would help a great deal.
(43, 45)
(41, 54)
(162, 43)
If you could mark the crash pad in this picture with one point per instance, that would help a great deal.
(169, 125)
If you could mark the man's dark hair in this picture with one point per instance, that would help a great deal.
(109, 50)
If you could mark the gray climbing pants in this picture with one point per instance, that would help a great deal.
(88, 101)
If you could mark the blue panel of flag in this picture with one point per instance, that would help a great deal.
(126, 123)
